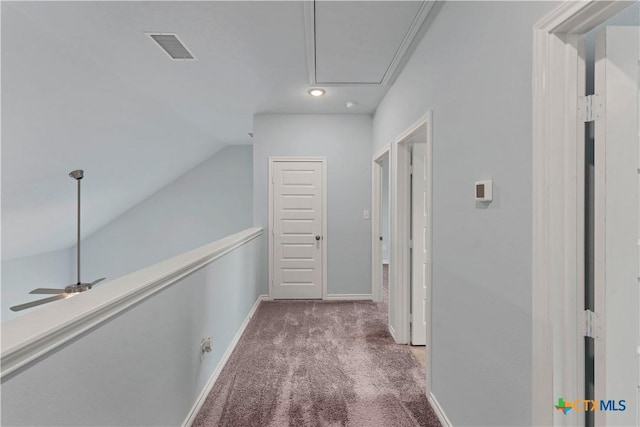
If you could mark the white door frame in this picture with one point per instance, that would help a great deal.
(376, 221)
(421, 231)
(400, 231)
(616, 226)
(325, 240)
(558, 206)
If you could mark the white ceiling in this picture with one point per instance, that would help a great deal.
(358, 44)
(84, 87)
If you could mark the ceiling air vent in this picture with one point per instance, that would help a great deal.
(171, 45)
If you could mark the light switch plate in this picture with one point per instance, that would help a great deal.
(365, 214)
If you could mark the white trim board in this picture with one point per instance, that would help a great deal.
(435, 405)
(33, 335)
(400, 218)
(400, 231)
(376, 220)
(558, 205)
(223, 361)
(349, 297)
(393, 334)
(325, 228)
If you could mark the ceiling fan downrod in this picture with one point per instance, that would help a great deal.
(78, 287)
(71, 290)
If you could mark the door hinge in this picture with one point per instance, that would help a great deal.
(590, 325)
(410, 244)
(410, 169)
(590, 108)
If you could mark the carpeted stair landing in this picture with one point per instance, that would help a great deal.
(319, 363)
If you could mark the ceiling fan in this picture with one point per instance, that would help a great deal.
(70, 290)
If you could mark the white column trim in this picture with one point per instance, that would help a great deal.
(558, 205)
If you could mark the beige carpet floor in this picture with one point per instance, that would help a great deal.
(319, 363)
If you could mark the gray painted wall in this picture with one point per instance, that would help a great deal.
(474, 70)
(143, 367)
(346, 142)
(21, 275)
(209, 202)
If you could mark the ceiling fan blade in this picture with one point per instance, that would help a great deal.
(47, 291)
(37, 302)
(95, 282)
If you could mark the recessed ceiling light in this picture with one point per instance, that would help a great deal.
(316, 91)
(352, 104)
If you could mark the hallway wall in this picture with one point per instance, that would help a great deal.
(142, 367)
(473, 69)
(346, 142)
(211, 201)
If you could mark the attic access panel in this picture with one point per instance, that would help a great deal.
(358, 42)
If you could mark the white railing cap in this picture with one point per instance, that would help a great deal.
(35, 334)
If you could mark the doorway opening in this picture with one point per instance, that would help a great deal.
(586, 212)
(380, 233)
(607, 47)
(411, 240)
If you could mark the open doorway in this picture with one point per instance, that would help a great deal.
(607, 47)
(380, 233)
(586, 315)
(384, 227)
(410, 238)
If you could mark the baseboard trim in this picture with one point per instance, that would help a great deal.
(225, 357)
(393, 333)
(442, 416)
(349, 297)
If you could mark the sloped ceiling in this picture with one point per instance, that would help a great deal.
(84, 87)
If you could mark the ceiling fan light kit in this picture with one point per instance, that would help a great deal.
(70, 290)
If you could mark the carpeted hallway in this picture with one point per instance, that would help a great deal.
(319, 363)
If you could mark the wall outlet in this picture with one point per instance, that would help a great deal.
(206, 345)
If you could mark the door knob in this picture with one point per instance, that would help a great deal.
(317, 237)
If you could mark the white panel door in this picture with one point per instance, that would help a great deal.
(297, 229)
(420, 238)
(617, 222)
